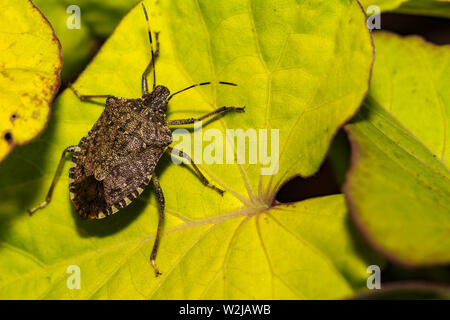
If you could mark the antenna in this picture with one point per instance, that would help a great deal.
(152, 62)
(200, 84)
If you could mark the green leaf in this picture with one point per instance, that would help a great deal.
(410, 80)
(397, 190)
(437, 8)
(294, 74)
(30, 63)
(384, 5)
(101, 16)
(398, 187)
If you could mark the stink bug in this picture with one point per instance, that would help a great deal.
(115, 161)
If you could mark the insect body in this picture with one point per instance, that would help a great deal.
(115, 161)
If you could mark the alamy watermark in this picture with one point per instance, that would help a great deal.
(374, 280)
(373, 17)
(240, 146)
(74, 20)
(74, 280)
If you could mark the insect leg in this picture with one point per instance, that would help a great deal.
(211, 114)
(203, 179)
(55, 177)
(161, 201)
(87, 97)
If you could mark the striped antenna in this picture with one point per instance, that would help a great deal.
(151, 47)
(200, 84)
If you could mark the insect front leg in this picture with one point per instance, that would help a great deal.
(87, 97)
(55, 177)
(203, 179)
(208, 115)
(161, 201)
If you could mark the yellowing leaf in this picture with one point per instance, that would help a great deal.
(302, 68)
(30, 62)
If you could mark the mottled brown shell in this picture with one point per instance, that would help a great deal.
(114, 162)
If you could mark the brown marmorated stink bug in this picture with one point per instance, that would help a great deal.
(115, 161)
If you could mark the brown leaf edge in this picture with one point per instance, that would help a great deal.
(53, 88)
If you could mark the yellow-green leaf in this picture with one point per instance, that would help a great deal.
(302, 68)
(30, 63)
(399, 184)
(411, 80)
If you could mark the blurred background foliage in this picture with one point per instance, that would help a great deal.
(98, 20)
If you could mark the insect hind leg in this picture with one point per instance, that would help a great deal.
(48, 198)
(161, 201)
